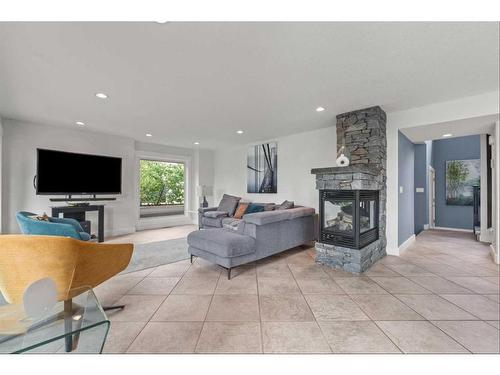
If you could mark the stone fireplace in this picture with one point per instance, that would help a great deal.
(353, 198)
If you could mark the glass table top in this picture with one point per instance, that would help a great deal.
(78, 326)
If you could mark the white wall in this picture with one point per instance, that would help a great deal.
(19, 165)
(496, 193)
(1, 142)
(297, 155)
(485, 234)
(20, 141)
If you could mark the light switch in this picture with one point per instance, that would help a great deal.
(420, 190)
(400, 190)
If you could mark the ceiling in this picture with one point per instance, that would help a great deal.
(200, 82)
(459, 128)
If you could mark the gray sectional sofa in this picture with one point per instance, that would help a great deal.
(233, 242)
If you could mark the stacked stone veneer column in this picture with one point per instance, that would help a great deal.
(363, 133)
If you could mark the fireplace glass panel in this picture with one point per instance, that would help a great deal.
(367, 212)
(338, 216)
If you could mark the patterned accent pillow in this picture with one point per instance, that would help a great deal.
(240, 211)
(285, 205)
(43, 217)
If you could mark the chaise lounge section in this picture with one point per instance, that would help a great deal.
(257, 236)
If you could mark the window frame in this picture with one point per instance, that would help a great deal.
(162, 161)
(169, 158)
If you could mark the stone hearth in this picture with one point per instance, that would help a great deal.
(363, 135)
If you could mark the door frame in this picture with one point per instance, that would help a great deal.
(431, 195)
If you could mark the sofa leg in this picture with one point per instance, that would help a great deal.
(191, 259)
(229, 273)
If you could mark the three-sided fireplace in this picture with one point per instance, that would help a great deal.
(349, 218)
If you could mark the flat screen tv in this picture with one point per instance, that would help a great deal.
(60, 172)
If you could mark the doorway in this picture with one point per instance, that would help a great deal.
(432, 197)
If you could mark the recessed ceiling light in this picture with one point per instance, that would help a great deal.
(320, 109)
(149, 135)
(162, 21)
(196, 143)
(447, 135)
(239, 131)
(101, 95)
(80, 123)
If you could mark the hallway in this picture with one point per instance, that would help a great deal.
(453, 254)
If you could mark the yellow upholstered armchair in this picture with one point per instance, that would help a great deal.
(71, 264)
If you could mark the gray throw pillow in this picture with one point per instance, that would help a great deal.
(269, 206)
(228, 204)
(285, 205)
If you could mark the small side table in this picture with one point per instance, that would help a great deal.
(82, 328)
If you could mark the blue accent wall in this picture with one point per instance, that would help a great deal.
(460, 148)
(421, 176)
(406, 179)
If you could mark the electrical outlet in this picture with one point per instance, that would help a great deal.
(400, 190)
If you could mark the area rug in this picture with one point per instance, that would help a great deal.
(154, 254)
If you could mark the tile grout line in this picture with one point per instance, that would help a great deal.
(429, 321)
(260, 314)
(425, 319)
(330, 277)
(154, 313)
(206, 314)
(311, 311)
(373, 321)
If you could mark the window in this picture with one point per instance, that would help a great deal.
(161, 188)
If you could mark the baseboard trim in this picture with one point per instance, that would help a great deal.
(496, 259)
(119, 231)
(405, 245)
(453, 229)
(163, 222)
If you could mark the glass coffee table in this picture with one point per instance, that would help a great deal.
(78, 326)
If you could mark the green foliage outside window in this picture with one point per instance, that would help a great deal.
(161, 183)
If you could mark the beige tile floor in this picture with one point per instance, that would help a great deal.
(440, 296)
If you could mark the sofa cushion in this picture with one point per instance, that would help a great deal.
(215, 214)
(267, 217)
(300, 211)
(230, 223)
(286, 205)
(228, 204)
(210, 222)
(221, 242)
(269, 206)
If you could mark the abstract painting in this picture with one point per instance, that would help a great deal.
(461, 176)
(262, 168)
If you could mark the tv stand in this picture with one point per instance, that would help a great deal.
(78, 213)
(93, 198)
